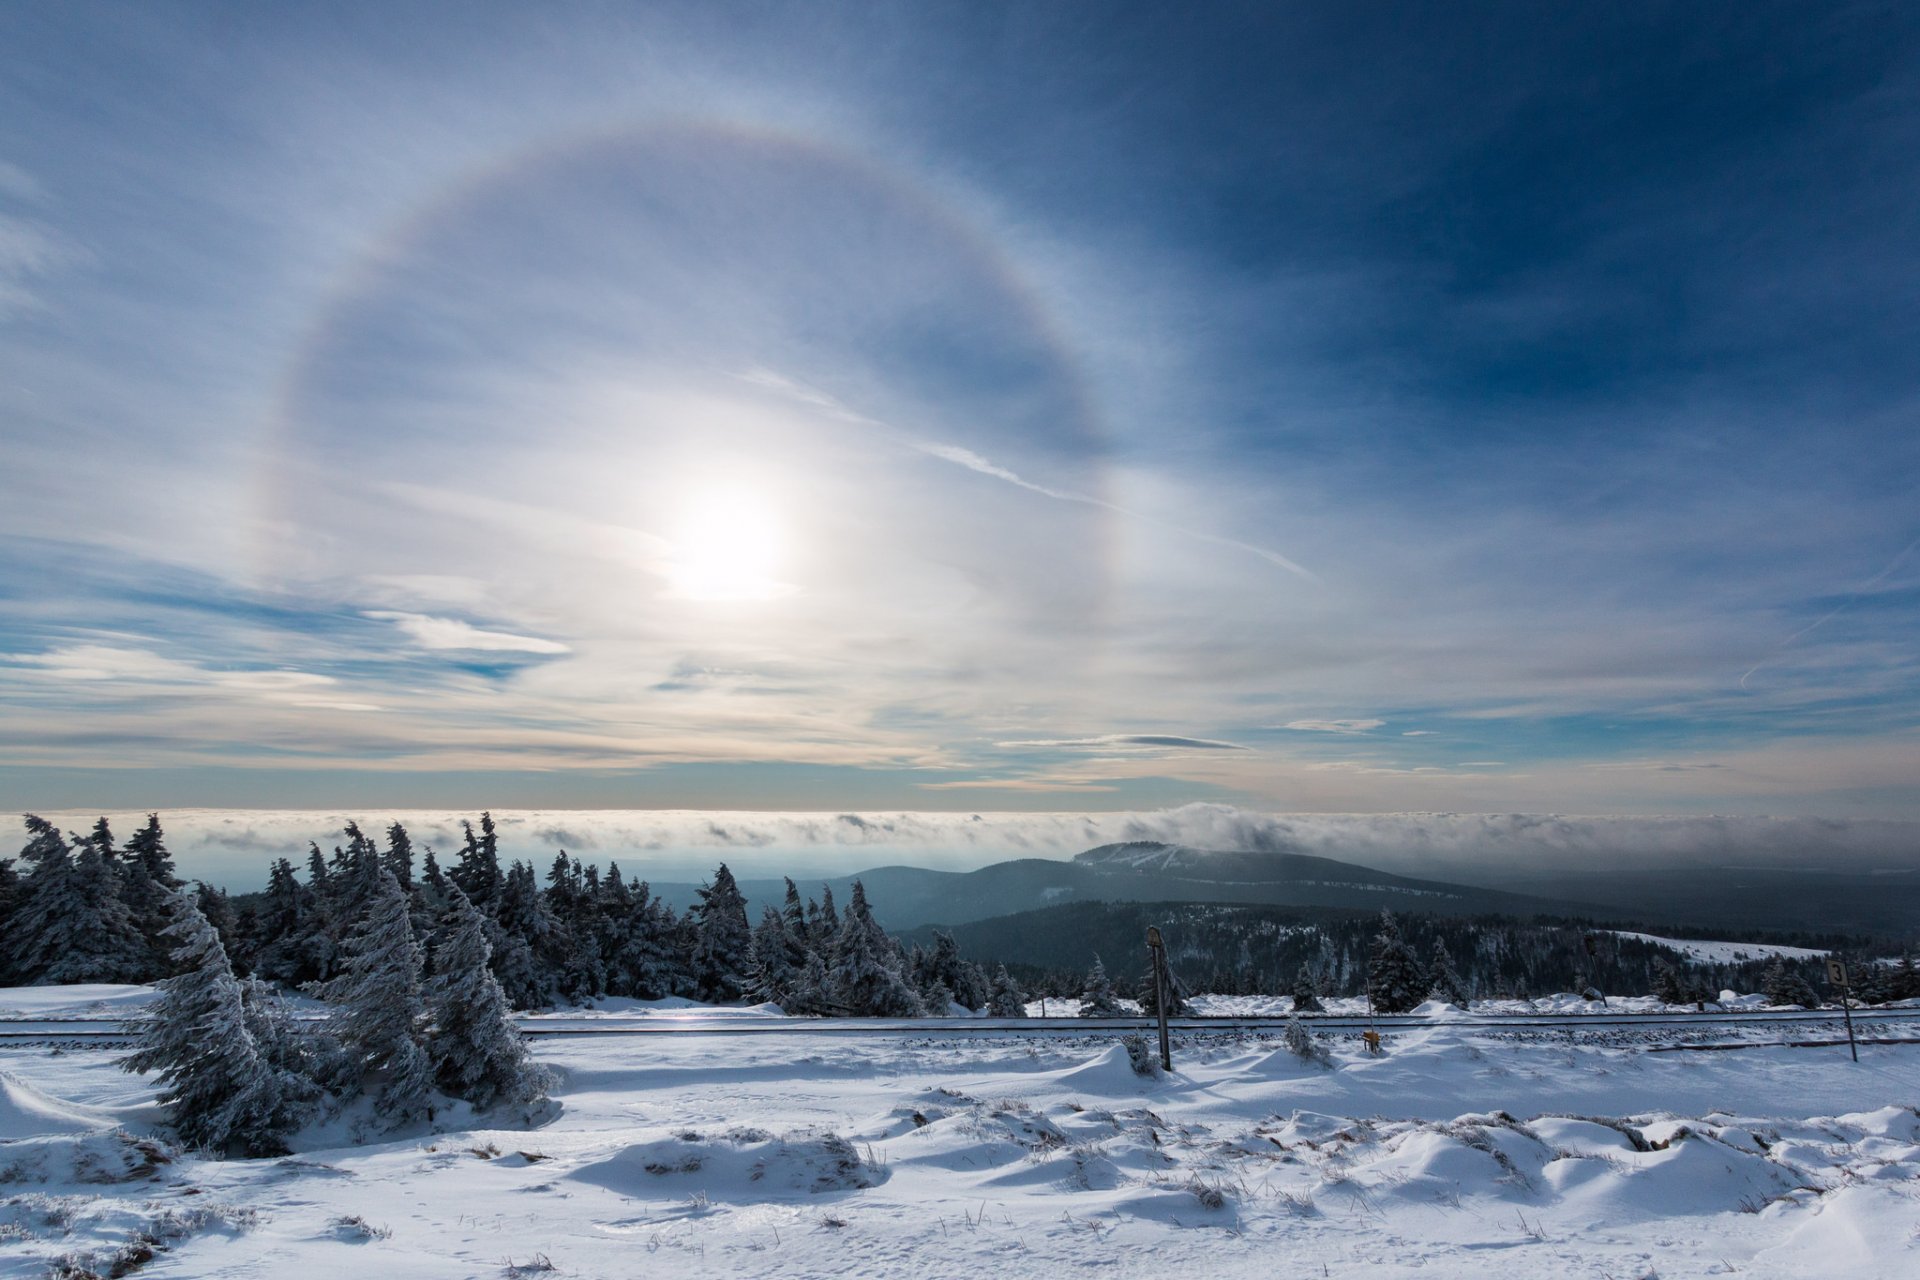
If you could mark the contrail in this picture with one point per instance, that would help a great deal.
(1840, 608)
(972, 461)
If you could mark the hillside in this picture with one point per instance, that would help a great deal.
(907, 897)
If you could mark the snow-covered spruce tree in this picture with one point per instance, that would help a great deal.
(71, 925)
(723, 940)
(1306, 997)
(1303, 1044)
(1781, 985)
(1096, 997)
(866, 979)
(812, 992)
(1395, 980)
(478, 871)
(779, 959)
(823, 923)
(1667, 986)
(378, 1014)
(1006, 999)
(147, 881)
(1444, 981)
(477, 1053)
(222, 1091)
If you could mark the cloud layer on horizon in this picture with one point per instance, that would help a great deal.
(234, 847)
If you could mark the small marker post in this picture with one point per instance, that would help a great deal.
(1837, 974)
(1157, 952)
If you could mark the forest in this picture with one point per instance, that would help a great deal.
(86, 908)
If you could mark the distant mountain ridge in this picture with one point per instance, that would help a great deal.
(1137, 871)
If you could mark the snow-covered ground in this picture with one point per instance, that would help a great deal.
(1456, 1153)
(1701, 952)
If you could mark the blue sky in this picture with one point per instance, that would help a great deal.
(1037, 406)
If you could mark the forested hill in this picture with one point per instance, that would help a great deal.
(907, 897)
(1248, 948)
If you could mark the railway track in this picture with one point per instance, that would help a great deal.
(1798, 1024)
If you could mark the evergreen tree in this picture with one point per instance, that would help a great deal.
(478, 871)
(477, 1053)
(779, 959)
(71, 925)
(1006, 1000)
(398, 858)
(1395, 980)
(524, 934)
(1303, 1044)
(812, 992)
(644, 963)
(1781, 985)
(223, 1093)
(794, 913)
(866, 980)
(723, 941)
(378, 1014)
(824, 925)
(1445, 982)
(217, 907)
(1667, 985)
(1306, 998)
(147, 882)
(1096, 997)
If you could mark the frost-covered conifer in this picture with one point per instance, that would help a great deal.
(1781, 985)
(378, 1014)
(71, 925)
(147, 882)
(478, 871)
(1005, 999)
(812, 992)
(723, 941)
(779, 959)
(1667, 986)
(477, 1052)
(1306, 997)
(1445, 982)
(865, 978)
(1303, 1044)
(223, 1091)
(1395, 980)
(1096, 998)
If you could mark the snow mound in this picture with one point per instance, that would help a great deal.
(1112, 1073)
(28, 1112)
(739, 1166)
(89, 1158)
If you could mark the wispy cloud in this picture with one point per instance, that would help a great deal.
(452, 633)
(1111, 741)
(1333, 726)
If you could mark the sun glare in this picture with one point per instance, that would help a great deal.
(727, 546)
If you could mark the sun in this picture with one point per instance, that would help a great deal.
(728, 545)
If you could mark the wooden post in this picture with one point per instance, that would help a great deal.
(1837, 974)
(1157, 952)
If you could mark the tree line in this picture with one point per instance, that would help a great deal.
(81, 908)
(1257, 949)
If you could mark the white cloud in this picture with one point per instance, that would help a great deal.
(1332, 726)
(234, 846)
(451, 633)
(1127, 742)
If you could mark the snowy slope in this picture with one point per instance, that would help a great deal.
(1722, 952)
(1453, 1155)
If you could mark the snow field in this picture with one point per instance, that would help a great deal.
(923, 1155)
